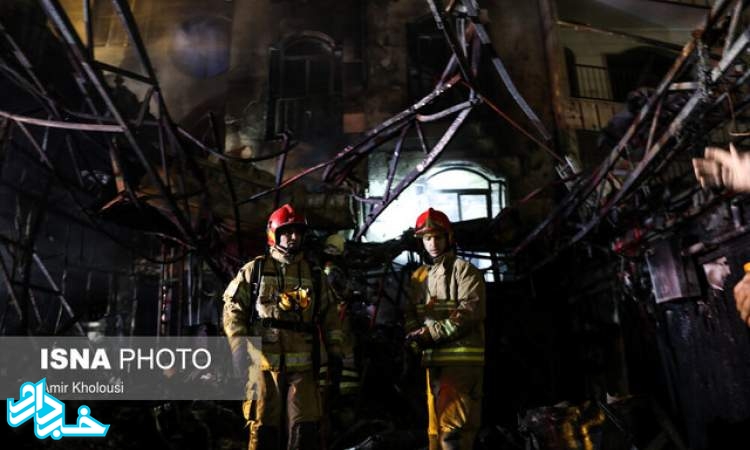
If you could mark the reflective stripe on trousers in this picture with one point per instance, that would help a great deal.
(294, 362)
(457, 355)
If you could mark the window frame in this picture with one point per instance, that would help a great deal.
(278, 96)
(494, 184)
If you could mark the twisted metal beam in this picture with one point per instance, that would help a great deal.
(677, 136)
(465, 60)
(93, 74)
(415, 173)
(582, 190)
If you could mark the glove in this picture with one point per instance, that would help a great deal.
(742, 298)
(419, 340)
(721, 168)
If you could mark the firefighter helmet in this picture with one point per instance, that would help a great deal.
(433, 221)
(281, 218)
(334, 244)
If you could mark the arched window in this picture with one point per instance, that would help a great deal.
(465, 193)
(462, 190)
(305, 86)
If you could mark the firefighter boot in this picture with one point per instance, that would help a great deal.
(304, 436)
(264, 438)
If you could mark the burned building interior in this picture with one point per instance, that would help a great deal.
(143, 145)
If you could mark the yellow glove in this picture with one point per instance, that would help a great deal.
(721, 168)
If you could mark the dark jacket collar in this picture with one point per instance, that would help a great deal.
(444, 260)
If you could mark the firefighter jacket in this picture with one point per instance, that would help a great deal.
(283, 313)
(341, 292)
(448, 297)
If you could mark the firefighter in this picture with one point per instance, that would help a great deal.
(731, 170)
(340, 379)
(446, 318)
(279, 297)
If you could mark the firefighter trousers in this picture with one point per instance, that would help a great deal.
(454, 405)
(286, 404)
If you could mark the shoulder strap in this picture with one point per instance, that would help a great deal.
(448, 279)
(315, 275)
(255, 278)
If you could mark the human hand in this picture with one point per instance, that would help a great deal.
(721, 168)
(418, 339)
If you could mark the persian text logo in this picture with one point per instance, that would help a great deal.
(49, 414)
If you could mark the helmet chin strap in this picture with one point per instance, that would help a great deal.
(286, 251)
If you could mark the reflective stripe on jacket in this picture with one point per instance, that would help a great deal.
(293, 348)
(448, 297)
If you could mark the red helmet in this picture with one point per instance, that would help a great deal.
(282, 217)
(433, 221)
